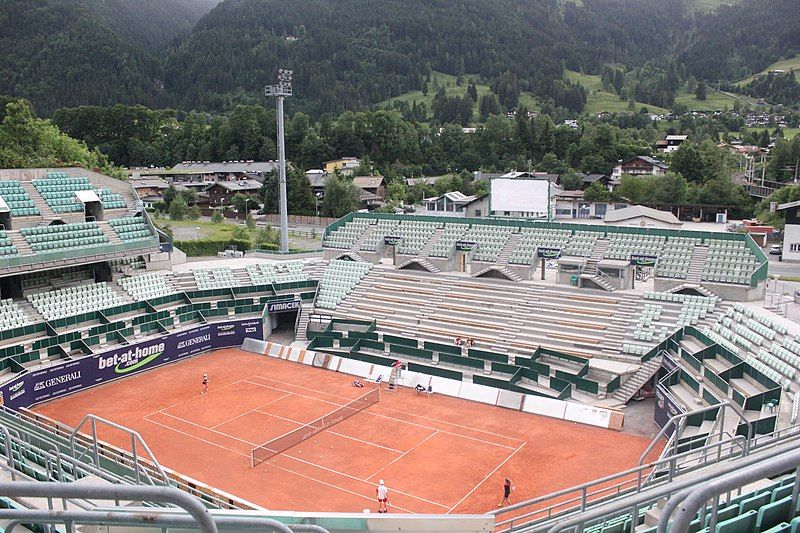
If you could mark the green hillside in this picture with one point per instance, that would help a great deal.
(783, 64)
(714, 100)
(599, 100)
(451, 88)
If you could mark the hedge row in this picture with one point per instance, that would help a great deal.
(210, 247)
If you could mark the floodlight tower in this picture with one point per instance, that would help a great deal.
(281, 91)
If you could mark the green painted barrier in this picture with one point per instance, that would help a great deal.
(368, 335)
(435, 371)
(613, 385)
(505, 368)
(347, 342)
(442, 348)
(540, 368)
(408, 351)
(488, 356)
(400, 341)
(461, 361)
(492, 382)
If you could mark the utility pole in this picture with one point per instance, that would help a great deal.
(281, 91)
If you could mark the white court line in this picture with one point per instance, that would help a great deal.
(368, 411)
(344, 435)
(362, 480)
(198, 438)
(490, 474)
(332, 432)
(403, 454)
(297, 473)
(207, 429)
(195, 397)
(256, 409)
(336, 487)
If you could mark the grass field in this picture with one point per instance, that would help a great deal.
(198, 229)
(714, 100)
(600, 100)
(788, 133)
(451, 89)
(783, 64)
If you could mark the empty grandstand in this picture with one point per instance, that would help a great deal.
(624, 313)
(602, 257)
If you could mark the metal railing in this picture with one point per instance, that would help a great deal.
(631, 481)
(598, 491)
(685, 504)
(137, 443)
(633, 503)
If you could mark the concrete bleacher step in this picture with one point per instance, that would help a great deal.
(426, 250)
(695, 271)
(508, 249)
(23, 248)
(363, 238)
(110, 234)
(637, 380)
(36, 196)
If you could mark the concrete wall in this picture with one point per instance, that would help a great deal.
(737, 293)
(791, 236)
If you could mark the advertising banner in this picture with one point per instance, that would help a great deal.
(283, 307)
(644, 260)
(666, 408)
(465, 246)
(71, 376)
(547, 252)
(392, 240)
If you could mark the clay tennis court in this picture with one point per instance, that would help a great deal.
(436, 454)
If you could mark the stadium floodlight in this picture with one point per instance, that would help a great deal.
(281, 91)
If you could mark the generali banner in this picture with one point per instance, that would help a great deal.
(71, 376)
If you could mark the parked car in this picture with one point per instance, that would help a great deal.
(775, 249)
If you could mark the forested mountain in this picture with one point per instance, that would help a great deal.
(353, 54)
(151, 24)
(56, 53)
(336, 48)
(739, 40)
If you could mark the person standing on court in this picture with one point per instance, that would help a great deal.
(508, 488)
(383, 497)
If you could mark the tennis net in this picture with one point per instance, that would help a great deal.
(264, 452)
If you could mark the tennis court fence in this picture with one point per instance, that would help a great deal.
(264, 452)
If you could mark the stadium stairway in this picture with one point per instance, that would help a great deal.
(590, 270)
(697, 263)
(426, 250)
(635, 382)
(45, 211)
(23, 248)
(507, 272)
(508, 249)
(110, 234)
(302, 323)
(363, 238)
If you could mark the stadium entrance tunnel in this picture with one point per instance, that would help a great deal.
(281, 317)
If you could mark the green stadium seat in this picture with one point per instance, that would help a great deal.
(744, 523)
(783, 527)
(772, 514)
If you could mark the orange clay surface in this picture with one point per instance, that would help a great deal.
(436, 454)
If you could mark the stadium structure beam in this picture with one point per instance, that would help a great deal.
(281, 91)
